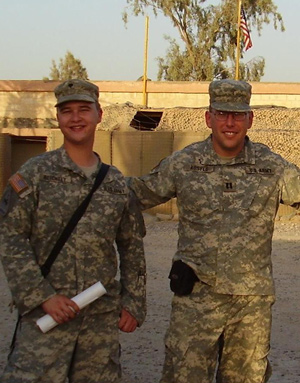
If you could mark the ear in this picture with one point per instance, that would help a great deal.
(208, 118)
(100, 113)
(250, 119)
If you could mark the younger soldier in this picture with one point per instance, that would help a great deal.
(36, 206)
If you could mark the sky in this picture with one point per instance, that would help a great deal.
(35, 32)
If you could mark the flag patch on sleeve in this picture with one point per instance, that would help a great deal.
(18, 183)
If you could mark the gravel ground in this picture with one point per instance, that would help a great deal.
(143, 351)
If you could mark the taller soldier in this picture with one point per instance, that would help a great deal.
(36, 206)
(228, 190)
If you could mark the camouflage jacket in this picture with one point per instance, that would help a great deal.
(226, 211)
(31, 220)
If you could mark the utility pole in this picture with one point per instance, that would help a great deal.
(145, 97)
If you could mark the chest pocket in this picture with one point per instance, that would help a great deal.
(200, 192)
(57, 201)
(255, 191)
(107, 206)
(228, 189)
(62, 195)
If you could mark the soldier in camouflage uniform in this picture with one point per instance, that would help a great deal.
(228, 190)
(36, 206)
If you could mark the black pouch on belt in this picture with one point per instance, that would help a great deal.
(182, 278)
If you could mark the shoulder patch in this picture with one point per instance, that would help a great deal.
(18, 183)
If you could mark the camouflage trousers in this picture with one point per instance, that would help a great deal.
(84, 350)
(214, 336)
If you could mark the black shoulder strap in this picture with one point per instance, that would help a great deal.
(45, 268)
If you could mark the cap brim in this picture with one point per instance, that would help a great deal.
(75, 97)
(231, 107)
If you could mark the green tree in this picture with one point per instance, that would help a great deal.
(209, 34)
(69, 67)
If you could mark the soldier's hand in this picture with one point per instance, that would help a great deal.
(61, 308)
(127, 322)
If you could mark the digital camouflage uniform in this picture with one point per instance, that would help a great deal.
(226, 221)
(30, 224)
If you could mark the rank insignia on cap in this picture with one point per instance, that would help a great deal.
(18, 183)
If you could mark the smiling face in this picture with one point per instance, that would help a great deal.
(228, 131)
(77, 121)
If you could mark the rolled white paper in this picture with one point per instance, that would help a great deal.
(83, 299)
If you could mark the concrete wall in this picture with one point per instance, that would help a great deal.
(35, 99)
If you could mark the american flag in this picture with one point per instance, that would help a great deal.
(245, 31)
(18, 183)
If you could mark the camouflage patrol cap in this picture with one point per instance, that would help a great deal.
(76, 90)
(230, 95)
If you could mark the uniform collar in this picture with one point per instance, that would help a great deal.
(67, 163)
(208, 155)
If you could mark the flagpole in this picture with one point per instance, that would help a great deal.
(145, 62)
(238, 44)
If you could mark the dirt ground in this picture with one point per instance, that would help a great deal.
(143, 351)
